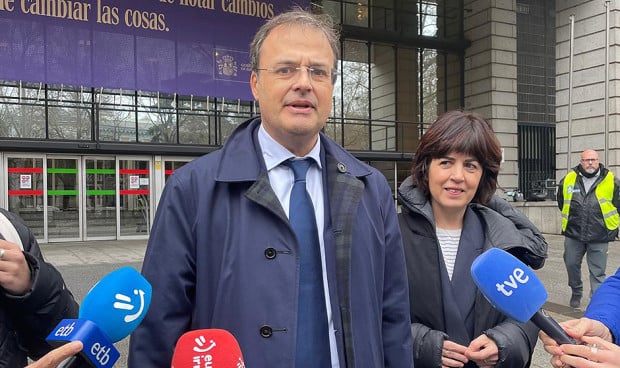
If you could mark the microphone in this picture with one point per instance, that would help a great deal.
(111, 310)
(514, 289)
(207, 348)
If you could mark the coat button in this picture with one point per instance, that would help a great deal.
(342, 168)
(270, 253)
(266, 332)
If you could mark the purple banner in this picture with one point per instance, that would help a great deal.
(188, 47)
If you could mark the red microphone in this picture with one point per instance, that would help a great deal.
(208, 348)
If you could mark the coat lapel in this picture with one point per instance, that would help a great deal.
(262, 193)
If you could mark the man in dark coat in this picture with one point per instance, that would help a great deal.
(33, 295)
(223, 252)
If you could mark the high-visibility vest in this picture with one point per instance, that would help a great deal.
(604, 194)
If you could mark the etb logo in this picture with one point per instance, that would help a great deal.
(101, 353)
(64, 331)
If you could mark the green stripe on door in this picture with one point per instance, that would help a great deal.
(62, 192)
(61, 171)
(100, 192)
(101, 171)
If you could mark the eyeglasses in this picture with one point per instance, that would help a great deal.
(317, 74)
(590, 160)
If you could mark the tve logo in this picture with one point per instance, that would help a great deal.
(508, 284)
(517, 277)
(515, 290)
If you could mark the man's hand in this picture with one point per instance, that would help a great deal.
(56, 356)
(14, 271)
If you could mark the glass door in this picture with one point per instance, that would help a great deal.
(100, 197)
(25, 186)
(63, 199)
(164, 166)
(170, 165)
(134, 197)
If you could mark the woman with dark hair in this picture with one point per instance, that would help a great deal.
(449, 216)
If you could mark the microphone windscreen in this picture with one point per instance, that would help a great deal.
(117, 303)
(207, 348)
(508, 284)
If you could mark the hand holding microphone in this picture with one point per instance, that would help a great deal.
(56, 356)
(111, 310)
(515, 290)
(593, 352)
(207, 348)
(584, 330)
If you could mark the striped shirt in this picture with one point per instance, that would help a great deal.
(449, 242)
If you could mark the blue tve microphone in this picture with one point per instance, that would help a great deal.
(111, 310)
(514, 289)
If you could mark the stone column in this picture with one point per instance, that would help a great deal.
(491, 74)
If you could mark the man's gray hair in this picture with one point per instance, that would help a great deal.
(300, 17)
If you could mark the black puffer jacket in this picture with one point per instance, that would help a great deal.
(511, 231)
(26, 320)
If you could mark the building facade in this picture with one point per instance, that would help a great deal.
(587, 82)
(85, 162)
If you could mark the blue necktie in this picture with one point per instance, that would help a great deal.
(312, 336)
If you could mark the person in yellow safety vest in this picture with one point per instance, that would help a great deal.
(588, 198)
